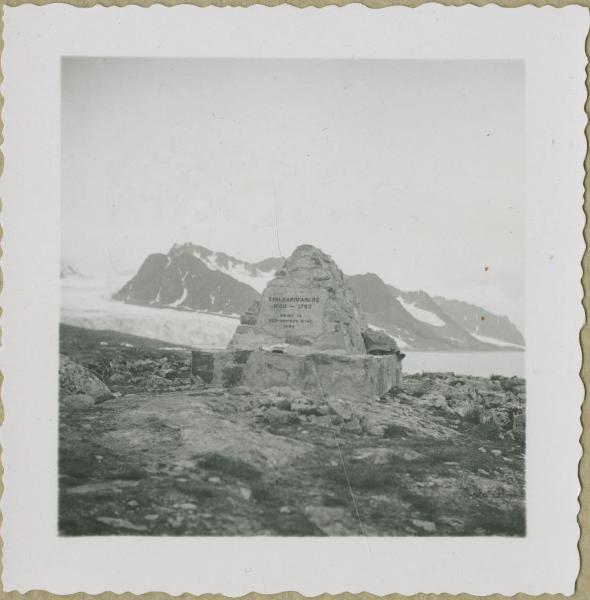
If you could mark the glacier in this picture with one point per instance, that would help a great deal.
(87, 302)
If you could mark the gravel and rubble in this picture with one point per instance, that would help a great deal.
(159, 453)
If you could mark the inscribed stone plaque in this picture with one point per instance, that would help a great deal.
(293, 313)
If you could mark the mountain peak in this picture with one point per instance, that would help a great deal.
(256, 275)
(183, 281)
(482, 324)
(193, 277)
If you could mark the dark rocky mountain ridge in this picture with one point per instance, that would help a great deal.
(470, 318)
(261, 270)
(192, 277)
(384, 309)
(184, 282)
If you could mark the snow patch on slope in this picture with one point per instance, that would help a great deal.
(182, 298)
(242, 271)
(496, 341)
(257, 280)
(420, 314)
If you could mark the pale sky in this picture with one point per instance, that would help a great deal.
(413, 170)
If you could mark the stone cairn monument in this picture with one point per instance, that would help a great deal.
(307, 333)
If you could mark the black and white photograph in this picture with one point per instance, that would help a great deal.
(292, 297)
(293, 300)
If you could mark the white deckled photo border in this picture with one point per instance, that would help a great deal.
(551, 42)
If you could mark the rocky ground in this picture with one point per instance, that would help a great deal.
(146, 450)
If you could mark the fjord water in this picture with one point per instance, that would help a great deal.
(482, 364)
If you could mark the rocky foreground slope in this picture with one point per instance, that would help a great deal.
(153, 452)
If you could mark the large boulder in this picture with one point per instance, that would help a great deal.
(77, 401)
(378, 342)
(74, 379)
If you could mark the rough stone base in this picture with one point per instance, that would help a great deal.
(319, 374)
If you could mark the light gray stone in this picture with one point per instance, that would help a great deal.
(276, 416)
(331, 520)
(427, 526)
(117, 523)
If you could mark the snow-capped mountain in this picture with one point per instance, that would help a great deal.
(194, 278)
(183, 281)
(480, 323)
(256, 275)
(413, 318)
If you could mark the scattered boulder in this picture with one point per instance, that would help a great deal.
(384, 456)
(477, 400)
(154, 382)
(493, 399)
(353, 425)
(75, 379)
(118, 379)
(330, 520)
(452, 523)
(378, 342)
(77, 401)
(340, 407)
(336, 420)
(117, 523)
(283, 404)
(501, 417)
(436, 401)
(276, 416)
(308, 408)
(320, 420)
(426, 526)
(142, 366)
(375, 429)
